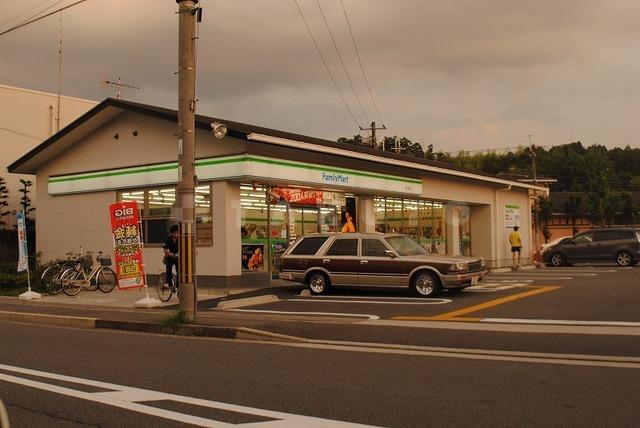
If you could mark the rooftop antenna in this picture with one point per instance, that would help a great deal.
(59, 74)
(119, 85)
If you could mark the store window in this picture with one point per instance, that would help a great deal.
(156, 207)
(422, 220)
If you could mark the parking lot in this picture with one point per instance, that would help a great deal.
(585, 295)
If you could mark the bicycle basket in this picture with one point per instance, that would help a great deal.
(87, 261)
(104, 261)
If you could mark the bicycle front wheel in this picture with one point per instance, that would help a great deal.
(69, 287)
(164, 290)
(106, 280)
(48, 278)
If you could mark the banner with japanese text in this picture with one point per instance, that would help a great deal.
(125, 228)
(23, 261)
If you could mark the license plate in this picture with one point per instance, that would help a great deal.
(474, 280)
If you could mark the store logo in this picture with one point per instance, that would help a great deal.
(335, 178)
(124, 212)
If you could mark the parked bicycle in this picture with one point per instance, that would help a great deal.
(89, 274)
(50, 278)
(166, 290)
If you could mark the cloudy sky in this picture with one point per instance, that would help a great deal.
(458, 74)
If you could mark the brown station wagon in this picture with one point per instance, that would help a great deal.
(376, 260)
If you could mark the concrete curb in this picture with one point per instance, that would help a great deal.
(247, 301)
(179, 330)
(242, 333)
(57, 320)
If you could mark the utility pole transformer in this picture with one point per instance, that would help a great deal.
(185, 195)
(373, 134)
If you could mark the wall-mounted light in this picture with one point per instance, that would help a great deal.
(219, 129)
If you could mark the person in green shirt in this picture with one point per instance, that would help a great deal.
(516, 246)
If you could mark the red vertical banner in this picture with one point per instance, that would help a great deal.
(125, 229)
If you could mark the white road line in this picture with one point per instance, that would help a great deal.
(530, 278)
(331, 314)
(532, 274)
(561, 322)
(374, 297)
(127, 398)
(376, 302)
(491, 287)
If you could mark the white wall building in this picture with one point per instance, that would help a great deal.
(26, 119)
(257, 188)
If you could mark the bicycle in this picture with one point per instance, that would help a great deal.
(165, 290)
(85, 271)
(50, 278)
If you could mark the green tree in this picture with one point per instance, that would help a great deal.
(25, 201)
(573, 208)
(4, 194)
(545, 212)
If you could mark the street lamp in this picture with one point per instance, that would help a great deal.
(219, 130)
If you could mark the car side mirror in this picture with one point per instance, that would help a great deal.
(390, 254)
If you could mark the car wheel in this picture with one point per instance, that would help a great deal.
(624, 259)
(318, 283)
(557, 260)
(426, 284)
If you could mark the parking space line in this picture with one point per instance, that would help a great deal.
(531, 279)
(368, 316)
(561, 322)
(377, 302)
(451, 316)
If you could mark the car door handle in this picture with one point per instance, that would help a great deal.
(364, 262)
(326, 261)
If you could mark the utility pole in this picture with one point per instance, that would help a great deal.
(373, 133)
(119, 85)
(185, 194)
(535, 194)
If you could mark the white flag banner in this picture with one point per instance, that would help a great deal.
(23, 263)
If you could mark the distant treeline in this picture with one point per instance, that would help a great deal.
(577, 168)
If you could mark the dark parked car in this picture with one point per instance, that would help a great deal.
(621, 244)
(376, 260)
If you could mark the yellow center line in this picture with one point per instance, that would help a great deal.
(455, 315)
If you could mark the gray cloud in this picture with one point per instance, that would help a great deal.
(465, 73)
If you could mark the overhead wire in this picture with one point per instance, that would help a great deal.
(29, 10)
(344, 68)
(24, 24)
(355, 46)
(325, 64)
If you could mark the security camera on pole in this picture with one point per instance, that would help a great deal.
(185, 197)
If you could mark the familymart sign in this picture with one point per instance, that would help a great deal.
(235, 167)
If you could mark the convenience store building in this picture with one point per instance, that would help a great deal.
(257, 190)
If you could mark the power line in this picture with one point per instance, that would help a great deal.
(355, 46)
(325, 64)
(346, 73)
(29, 10)
(40, 17)
(20, 133)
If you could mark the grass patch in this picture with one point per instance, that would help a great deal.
(177, 318)
(12, 291)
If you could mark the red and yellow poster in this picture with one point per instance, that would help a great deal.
(125, 228)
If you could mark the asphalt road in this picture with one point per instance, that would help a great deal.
(400, 387)
(595, 294)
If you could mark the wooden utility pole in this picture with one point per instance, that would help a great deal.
(535, 195)
(185, 195)
(373, 133)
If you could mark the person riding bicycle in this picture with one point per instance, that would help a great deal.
(170, 258)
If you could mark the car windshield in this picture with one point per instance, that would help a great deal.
(405, 246)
